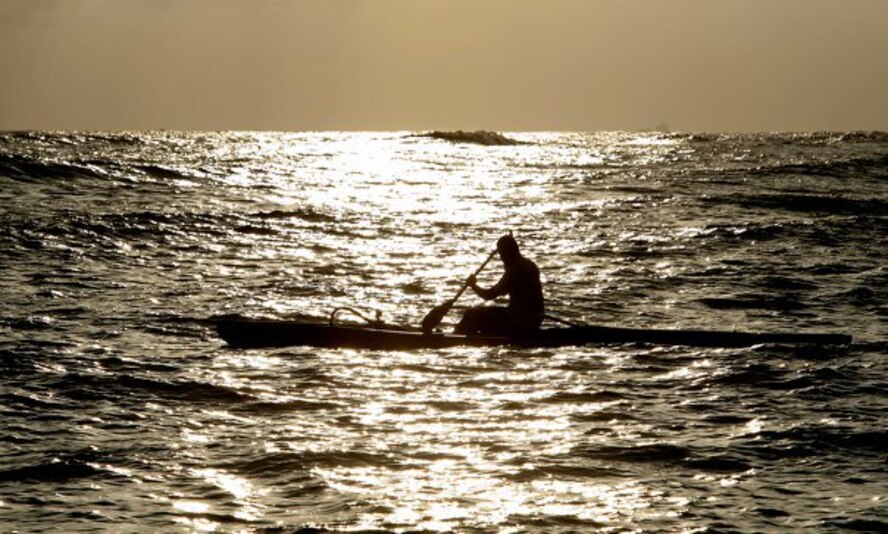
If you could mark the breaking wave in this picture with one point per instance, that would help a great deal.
(480, 137)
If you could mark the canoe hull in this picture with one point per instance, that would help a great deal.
(256, 333)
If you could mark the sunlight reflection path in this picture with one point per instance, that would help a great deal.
(471, 445)
(443, 440)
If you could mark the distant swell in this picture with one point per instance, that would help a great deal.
(813, 138)
(859, 525)
(61, 471)
(303, 214)
(658, 452)
(754, 302)
(151, 225)
(28, 169)
(186, 390)
(873, 167)
(571, 397)
(88, 388)
(843, 439)
(287, 463)
(478, 138)
(160, 172)
(666, 453)
(836, 205)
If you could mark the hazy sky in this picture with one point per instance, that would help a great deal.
(710, 65)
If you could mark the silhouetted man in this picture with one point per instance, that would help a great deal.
(521, 282)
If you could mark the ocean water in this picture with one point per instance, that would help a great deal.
(121, 410)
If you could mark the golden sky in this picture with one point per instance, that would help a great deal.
(701, 65)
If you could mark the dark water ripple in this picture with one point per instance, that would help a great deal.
(120, 410)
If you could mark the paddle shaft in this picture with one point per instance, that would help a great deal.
(434, 317)
(477, 272)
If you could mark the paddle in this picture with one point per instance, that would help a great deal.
(434, 317)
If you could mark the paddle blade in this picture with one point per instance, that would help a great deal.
(434, 317)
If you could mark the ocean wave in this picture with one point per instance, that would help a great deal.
(76, 227)
(761, 375)
(138, 225)
(751, 450)
(718, 463)
(297, 405)
(84, 387)
(252, 229)
(818, 438)
(553, 523)
(53, 471)
(746, 231)
(307, 214)
(754, 302)
(569, 470)
(786, 283)
(30, 402)
(480, 137)
(19, 361)
(604, 415)
(809, 441)
(858, 525)
(74, 137)
(807, 203)
(650, 453)
(871, 166)
(702, 137)
(186, 390)
(864, 137)
(41, 322)
(158, 171)
(667, 454)
(567, 397)
(782, 138)
(24, 168)
(301, 463)
(31, 169)
(62, 466)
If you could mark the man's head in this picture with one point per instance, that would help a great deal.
(508, 249)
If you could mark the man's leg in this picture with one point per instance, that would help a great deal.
(486, 320)
(471, 321)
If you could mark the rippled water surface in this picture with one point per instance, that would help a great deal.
(122, 410)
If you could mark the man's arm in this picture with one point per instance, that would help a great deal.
(501, 288)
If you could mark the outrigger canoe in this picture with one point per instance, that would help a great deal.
(255, 333)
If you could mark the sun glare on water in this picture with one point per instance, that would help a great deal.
(372, 224)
